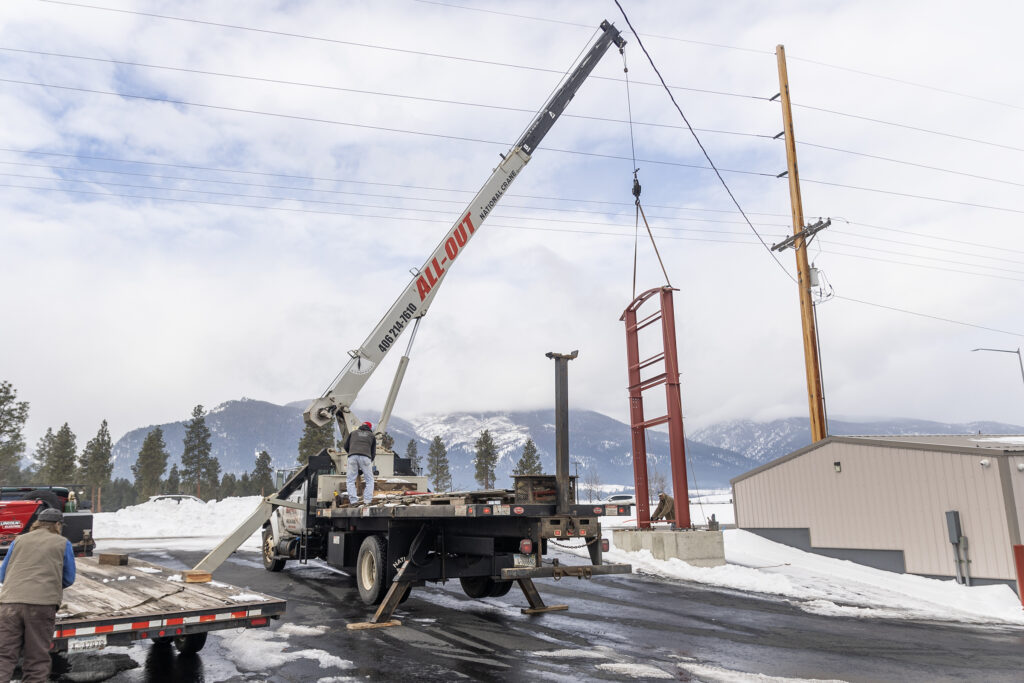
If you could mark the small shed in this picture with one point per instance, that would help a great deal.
(897, 503)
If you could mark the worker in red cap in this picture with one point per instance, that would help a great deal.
(361, 446)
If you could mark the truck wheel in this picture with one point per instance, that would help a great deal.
(48, 497)
(162, 640)
(500, 588)
(270, 562)
(190, 644)
(371, 570)
(477, 586)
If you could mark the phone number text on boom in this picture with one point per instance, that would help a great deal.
(397, 328)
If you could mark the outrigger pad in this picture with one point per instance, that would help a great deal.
(363, 625)
(541, 610)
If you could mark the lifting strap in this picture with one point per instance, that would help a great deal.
(636, 188)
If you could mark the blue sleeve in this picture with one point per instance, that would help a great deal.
(3, 567)
(69, 566)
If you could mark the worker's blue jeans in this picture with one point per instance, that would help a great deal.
(357, 464)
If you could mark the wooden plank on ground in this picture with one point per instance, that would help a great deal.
(363, 625)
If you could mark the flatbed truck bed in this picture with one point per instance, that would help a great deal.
(116, 604)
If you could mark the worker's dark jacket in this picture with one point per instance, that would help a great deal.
(362, 442)
(38, 566)
(666, 509)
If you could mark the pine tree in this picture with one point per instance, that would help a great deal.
(196, 453)
(95, 466)
(486, 459)
(173, 483)
(211, 478)
(122, 494)
(412, 452)
(528, 463)
(59, 465)
(262, 479)
(229, 485)
(13, 415)
(438, 472)
(315, 439)
(43, 453)
(150, 465)
(387, 441)
(244, 485)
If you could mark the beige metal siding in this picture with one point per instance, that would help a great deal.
(1017, 477)
(888, 499)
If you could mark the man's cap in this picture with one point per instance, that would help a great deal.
(50, 515)
(368, 425)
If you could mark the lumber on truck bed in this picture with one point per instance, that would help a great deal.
(141, 589)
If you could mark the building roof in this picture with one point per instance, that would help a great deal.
(972, 444)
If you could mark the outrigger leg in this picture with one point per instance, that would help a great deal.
(537, 605)
(400, 584)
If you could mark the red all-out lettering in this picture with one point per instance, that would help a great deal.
(460, 236)
(451, 248)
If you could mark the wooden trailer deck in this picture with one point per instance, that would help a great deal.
(115, 604)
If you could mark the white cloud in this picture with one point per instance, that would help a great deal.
(135, 310)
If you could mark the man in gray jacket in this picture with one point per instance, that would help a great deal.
(38, 567)
(361, 446)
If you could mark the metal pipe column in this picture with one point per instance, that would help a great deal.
(562, 427)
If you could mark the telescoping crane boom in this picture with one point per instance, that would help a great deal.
(414, 301)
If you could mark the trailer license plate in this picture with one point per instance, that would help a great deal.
(87, 643)
(525, 560)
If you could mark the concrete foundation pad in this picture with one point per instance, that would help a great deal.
(697, 548)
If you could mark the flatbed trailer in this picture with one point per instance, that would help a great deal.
(112, 604)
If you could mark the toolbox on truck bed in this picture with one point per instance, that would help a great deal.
(111, 604)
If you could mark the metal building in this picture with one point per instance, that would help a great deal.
(883, 502)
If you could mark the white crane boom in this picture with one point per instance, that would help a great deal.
(415, 299)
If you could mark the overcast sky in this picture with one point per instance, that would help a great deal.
(135, 283)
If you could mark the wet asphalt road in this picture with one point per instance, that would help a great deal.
(617, 628)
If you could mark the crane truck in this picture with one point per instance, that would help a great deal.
(487, 539)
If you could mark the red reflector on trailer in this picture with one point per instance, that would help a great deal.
(604, 545)
(487, 511)
(177, 631)
(518, 510)
(143, 634)
(558, 532)
(262, 621)
(526, 546)
(161, 633)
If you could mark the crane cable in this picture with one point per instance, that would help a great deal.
(637, 188)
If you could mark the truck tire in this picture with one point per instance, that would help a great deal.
(270, 562)
(371, 570)
(49, 498)
(191, 643)
(477, 586)
(500, 588)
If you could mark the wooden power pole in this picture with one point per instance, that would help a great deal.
(815, 395)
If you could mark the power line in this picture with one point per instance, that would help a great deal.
(376, 93)
(462, 103)
(911, 195)
(699, 144)
(573, 23)
(926, 236)
(357, 182)
(926, 315)
(365, 126)
(901, 81)
(902, 125)
(371, 46)
(459, 202)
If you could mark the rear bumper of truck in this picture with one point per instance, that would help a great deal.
(582, 571)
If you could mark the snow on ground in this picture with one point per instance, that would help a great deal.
(815, 583)
(202, 523)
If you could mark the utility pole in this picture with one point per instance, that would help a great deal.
(815, 394)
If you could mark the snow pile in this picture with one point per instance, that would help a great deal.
(171, 519)
(1007, 440)
(824, 585)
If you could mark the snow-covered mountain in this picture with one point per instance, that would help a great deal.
(764, 441)
(597, 443)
